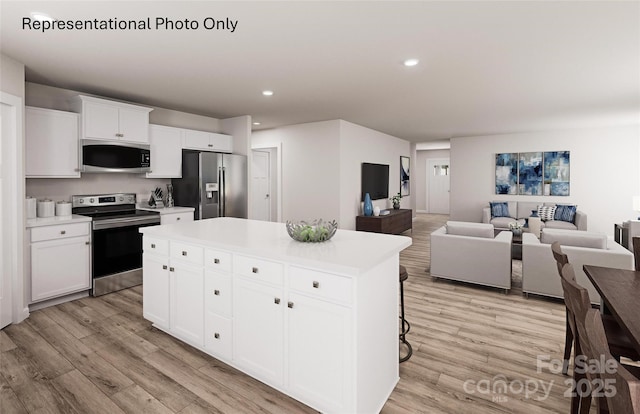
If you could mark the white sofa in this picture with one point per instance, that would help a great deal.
(520, 210)
(469, 252)
(539, 270)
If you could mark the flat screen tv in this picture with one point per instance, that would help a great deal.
(375, 180)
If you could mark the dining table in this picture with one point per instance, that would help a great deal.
(620, 293)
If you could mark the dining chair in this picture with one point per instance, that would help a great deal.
(625, 398)
(576, 299)
(561, 260)
(636, 251)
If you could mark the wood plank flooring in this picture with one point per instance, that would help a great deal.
(99, 355)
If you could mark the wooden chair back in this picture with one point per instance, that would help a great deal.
(636, 251)
(576, 298)
(625, 398)
(561, 258)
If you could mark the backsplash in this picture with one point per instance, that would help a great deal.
(61, 189)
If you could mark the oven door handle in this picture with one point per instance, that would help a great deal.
(124, 222)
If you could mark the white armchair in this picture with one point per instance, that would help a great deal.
(469, 252)
(540, 273)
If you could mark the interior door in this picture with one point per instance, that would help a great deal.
(260, 180)
(438, 171)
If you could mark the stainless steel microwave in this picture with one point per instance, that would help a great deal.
(115, 157)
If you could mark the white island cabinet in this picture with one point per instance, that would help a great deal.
(316, 321)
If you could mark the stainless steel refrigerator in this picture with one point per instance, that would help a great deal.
(214, 184)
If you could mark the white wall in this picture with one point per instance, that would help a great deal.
(420, 175)
(605, 171)
(310, 168)
(357, 145)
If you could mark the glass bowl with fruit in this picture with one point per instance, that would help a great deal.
(312, 232)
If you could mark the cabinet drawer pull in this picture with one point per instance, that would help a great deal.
(216, 292)
(164, 267)
(316, 284)
(171, 269)
(290, 305)
(184, 253)
(254, 269)
(63, 232)
(216, 335)
(216, 261)
(87, 243)
(276, 301)
(209, 145)
(153, 245)
(178, 218)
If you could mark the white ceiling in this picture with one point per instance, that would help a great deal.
(485, 67)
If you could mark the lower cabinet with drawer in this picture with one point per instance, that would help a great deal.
(60, 260)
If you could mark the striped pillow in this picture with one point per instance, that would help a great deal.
(546, 213)
(565, 213)
(499, 210)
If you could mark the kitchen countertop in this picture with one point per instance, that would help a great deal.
(165, 210)
(348, 252)
(56, 220)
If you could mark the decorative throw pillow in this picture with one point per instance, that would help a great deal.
(546, 213)
(565, 212)
(499, 210)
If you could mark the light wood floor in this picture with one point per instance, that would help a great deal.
(98, 355)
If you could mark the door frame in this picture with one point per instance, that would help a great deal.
(13, 217)
(428, 180)
(277, 148)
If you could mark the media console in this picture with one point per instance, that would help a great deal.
(396, 222)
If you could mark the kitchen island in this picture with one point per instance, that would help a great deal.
(316, 321)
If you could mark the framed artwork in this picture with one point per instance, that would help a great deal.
(530, 173)
(556, 173)
(533, 173)
(404, 176)
(507, 173)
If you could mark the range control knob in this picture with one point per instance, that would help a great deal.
(91, 200)
(121, 198)
(81, 201)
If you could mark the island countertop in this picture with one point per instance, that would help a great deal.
(348, 252)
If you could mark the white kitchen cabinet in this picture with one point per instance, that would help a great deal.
(258, 326)
(169, 218)
(207, 141)
(319, 352)
(51, 143)
(166, 152)
(187, 302)
(60, 260)
(155, 289)
(103, 119)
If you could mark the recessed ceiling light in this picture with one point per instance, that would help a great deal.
(42, 17)
(267, 93)
(411, 62)
(256, 123)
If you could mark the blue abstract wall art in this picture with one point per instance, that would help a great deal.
(533, 173)
(530, 173)
(556, 173)
(507, 173)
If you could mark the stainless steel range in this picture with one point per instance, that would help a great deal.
(116, 253)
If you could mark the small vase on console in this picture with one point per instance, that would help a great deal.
(367, 208)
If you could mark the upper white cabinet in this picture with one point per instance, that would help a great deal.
(166, 151)
(114, 121)
(207, 141)
(52, 147)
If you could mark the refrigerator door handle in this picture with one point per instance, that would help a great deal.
(220, 187)
(224, 185)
